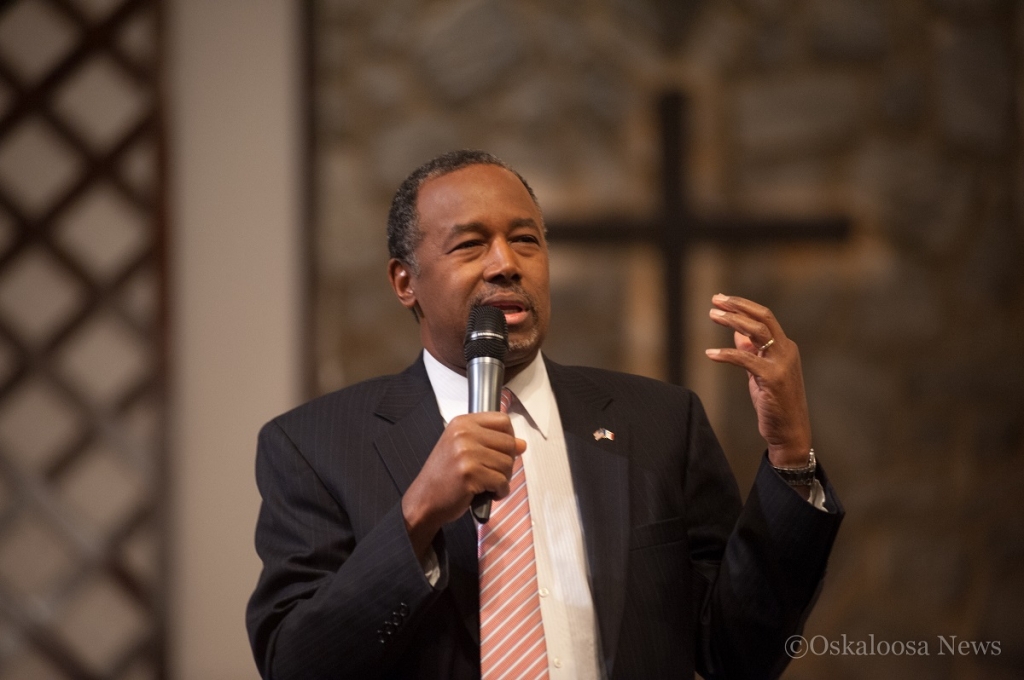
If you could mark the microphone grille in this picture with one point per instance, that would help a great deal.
(486, 334)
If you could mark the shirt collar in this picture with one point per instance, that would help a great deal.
(531, 387)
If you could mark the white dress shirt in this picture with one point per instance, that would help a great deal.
(566, 604)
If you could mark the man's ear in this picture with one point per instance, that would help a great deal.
(400, 275)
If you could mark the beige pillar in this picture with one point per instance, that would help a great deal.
(234, 113)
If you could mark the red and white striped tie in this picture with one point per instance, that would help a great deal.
(511, 631)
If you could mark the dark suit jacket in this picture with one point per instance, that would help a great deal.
(682, 576)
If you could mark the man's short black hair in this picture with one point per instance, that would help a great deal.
(403, 231)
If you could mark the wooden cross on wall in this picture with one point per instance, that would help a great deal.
(678, 227)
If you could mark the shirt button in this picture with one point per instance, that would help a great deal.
(544, 592)
(557, 662)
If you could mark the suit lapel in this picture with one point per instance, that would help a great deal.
(410, 405)
(600, 475)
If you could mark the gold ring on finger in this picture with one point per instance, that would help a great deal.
(762, 348)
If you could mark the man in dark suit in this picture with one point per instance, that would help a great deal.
(647, 565)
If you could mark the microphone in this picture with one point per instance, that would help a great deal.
(485, 348)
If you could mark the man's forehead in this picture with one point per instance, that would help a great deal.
(468, 176)
(474, 187)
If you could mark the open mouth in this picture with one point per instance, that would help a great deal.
(515, 312)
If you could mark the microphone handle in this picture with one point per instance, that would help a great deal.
(486, 375)
(481, 507)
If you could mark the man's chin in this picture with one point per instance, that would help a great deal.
(523, 346)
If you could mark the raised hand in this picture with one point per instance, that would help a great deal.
(775, 379)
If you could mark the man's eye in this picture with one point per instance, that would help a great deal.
(466, 244)
(529, 238)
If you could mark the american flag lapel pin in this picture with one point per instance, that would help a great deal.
(603, 433)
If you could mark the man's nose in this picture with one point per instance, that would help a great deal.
(502, 261)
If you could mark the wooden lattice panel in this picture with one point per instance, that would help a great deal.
(82, 309)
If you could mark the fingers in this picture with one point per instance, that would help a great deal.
(744, 343)
(752, 314)
(757, 331)
(745, 355)
(492, 467)
(486, 441)
(738, 357)
(754, 327)
(490, 420)
(488, 431)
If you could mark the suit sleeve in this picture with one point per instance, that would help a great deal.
(755, 580)
(325, 606)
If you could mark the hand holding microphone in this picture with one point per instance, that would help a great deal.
(472, 461)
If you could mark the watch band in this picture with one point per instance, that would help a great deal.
(799, 476)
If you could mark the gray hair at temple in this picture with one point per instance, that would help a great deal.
(403, 232)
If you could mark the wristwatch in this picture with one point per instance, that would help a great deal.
(799, 476)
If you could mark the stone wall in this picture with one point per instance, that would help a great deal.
(903, 115)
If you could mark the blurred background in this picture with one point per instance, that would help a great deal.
(192, 206)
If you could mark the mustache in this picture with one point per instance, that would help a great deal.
(514, 288)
